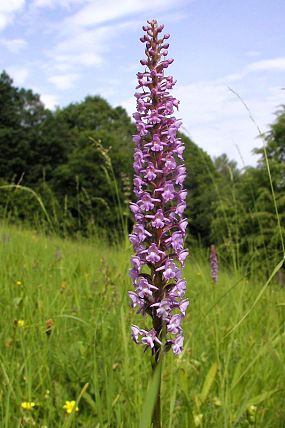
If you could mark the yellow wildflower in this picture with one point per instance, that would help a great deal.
(18, 283)
(69, 406)
(28, 405)
(20, 323)
(252, 409)
(251, 414)
(198, 420)
(217, 402)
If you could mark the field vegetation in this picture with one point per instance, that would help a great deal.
(65, 336)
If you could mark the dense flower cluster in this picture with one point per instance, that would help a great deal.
(214, 264)
(159, 230)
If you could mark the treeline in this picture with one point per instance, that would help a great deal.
(71, 170)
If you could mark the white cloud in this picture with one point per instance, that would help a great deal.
(274, 64)
(13, 45)
(50, 100)
(52, 4)
(11, 5)
(80, 41)
(217, 119)
(219, 122)
(129, 104)
(18, 74)
(8, 8)
(253, 53)
(79, 48)
(266, 65)
(63, 81)
(98, 11)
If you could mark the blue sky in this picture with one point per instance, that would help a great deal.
(67, 49)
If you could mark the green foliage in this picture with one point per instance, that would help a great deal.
(201, 191)
(79, 289)
(275, 142)
(249, 211)
(66, 157)
(101, 145)
(22, 133)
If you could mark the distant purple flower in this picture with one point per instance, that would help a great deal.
(214, 264)
(159, 232)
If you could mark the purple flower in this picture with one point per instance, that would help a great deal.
(214, 264)
(149, 337)
(183, 306)
(158, 219)
(177, 344)
(134, 274)
(146, 203)
(150, 172)
(144, 288)
(174, 324)
(163, 308)
(182, 225)
(182, 256)
(170, 270)
(170, 163)
(176, 241)
(178, 290)
(135, 300)
(154, 254)
(180, 208)
(159, 231)
(156, 144)
(136, 262)
(135, 333)
(168, 192)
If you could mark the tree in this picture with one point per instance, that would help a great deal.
(25, 129)
(226, 167)
(271, 197)
(200, 183)
(228, 209)
(99, 161)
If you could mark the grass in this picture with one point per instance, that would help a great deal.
(75, 344)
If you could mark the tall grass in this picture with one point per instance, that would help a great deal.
(231, 361)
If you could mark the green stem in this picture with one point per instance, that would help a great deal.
(156, 415)
(157, 366)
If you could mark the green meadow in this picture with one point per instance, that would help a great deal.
(65, 335)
